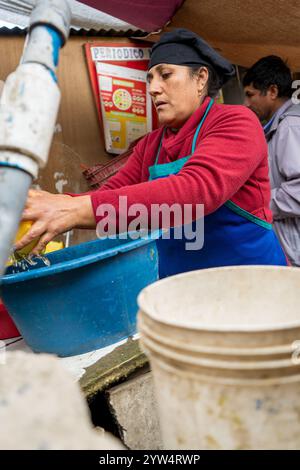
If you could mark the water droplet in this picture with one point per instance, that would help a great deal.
(45, 260)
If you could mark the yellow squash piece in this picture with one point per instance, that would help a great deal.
(23, 229)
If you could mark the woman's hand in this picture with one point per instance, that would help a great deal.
(53, 214)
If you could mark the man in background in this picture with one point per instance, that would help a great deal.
(268, 93)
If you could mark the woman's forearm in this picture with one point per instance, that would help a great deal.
(83, 212)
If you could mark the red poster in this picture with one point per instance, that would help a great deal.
(126, 100)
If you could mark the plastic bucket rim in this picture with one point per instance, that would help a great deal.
(65, 266)
(214, 364)
(231, 381)
(215, 350)
(230, 328)
(214, 328)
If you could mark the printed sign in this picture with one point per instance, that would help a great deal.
(119, 53)
(125, 105)
(118, 77)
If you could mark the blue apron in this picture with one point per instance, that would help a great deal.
(232, 236)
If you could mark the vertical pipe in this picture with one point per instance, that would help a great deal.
(14, 185)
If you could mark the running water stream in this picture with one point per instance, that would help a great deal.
(22, 263)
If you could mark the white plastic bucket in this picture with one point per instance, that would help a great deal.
(220, 346)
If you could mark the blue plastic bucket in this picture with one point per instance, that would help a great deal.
(86, 298)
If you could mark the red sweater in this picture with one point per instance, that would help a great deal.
(230, 162)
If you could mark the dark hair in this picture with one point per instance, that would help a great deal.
(270, 70)
(214, 81)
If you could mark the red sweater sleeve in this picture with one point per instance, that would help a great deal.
(229, 152)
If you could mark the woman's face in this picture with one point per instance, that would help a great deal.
(175, 93)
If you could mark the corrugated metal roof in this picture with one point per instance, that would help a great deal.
(108, 32)
(16, 31)
(12, 31)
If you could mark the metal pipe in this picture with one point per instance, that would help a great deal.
(11, 206)
(28, 110)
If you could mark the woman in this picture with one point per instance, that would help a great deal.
(203, 153)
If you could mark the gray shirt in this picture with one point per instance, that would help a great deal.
(284, 163)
